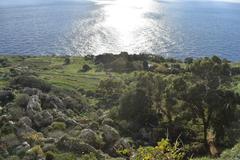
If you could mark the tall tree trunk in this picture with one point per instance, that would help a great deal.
(205, 132)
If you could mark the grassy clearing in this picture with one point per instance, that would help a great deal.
(53, 70)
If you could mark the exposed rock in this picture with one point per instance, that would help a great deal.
(35, 153)
(14, 111)
(59, 115)
(108, 121)
(70, 112)
(34, 106)
(4, 118)
(110, 135)
(121, 144)
(94, 126)
(145, 134)
(1, 110)
(57, 134)
(74, 145)
(71, 122)
(42, 119)
(9, 141)
(49, 140)
(49, 147)
(31, 91)
(21, 149)
(90, 137)
(71, 103)
(3, 150)
(75, 132)
(51, 101)
(23, 129)
(26, 120)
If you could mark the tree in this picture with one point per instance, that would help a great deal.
(67, 60)
(110, 90)
(135, 106)
(209, 103)
(145, 65)
(85, 68)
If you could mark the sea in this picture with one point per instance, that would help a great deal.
(170, 28)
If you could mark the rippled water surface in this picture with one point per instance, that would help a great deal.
(78, 27)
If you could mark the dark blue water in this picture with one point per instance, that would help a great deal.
(78, 27)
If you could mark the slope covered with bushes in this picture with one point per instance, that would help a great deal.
(118, 107)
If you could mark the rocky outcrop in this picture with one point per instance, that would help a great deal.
(48, 123)
(51, 101)
(22, 129)
(25, 120)
(42, 119)
(110, 134)
(31, 91)
(34, 106)
(21, 149)
(90, 137)
(75, 145)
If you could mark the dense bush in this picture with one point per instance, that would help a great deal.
(67, 60)
(22, 100)
(31, 82)
(6, 96)
(58, 126)
(231, 154)
(195, 101)
(60, 156)
(110, 90)
(4, 62)
(163, 151)
(85, 68)
(135, 106)
(73, 104)
(123, 62)
(188, 60)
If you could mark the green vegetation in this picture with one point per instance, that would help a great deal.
(137, 107)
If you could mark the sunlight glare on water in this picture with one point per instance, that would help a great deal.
(123, 25)
(126, 18)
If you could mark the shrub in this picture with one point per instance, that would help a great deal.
(72, 103)
(110, 89)
(161, 69)
(145, 65)
(32, 82)
(188, 60)
(22, 100)
(90, 156)
(58, 126)
(12, 158)
(85, 68)
(6, 96)
(4, 62)
(89, 57)
(60, 156)
(34, 138)
(67, 60)
(36, 150)
(231, 154)
(163, 151)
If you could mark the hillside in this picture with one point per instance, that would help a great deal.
(117, 107)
